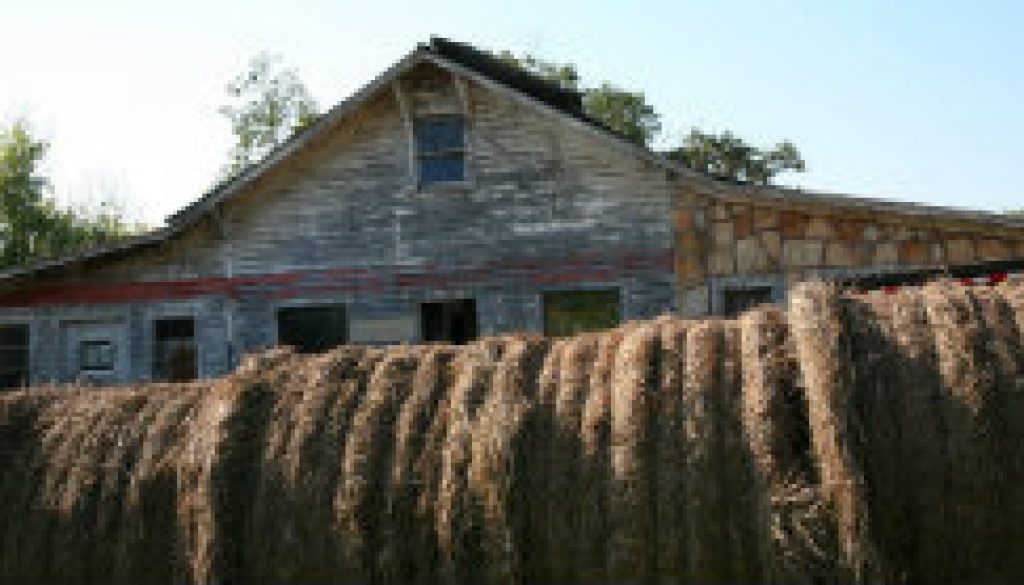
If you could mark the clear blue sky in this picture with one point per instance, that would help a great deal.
(918, 101)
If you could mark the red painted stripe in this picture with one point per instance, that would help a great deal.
(576, 267)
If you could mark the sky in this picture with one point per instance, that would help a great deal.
(913, 100)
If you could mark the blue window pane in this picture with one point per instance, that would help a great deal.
(437, 134)
(441, 169)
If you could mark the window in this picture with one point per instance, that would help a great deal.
(312, 329)
(449, 321)
(440, 149)
(575, 311)
(738, 300)
(175, 355)
(13, 356)
(96, 355)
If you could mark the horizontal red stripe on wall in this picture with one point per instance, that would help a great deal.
(572, 268)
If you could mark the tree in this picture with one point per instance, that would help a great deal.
(728, 157)
(268, 103)
(622, 111)
(723, 156)
(32, 226)
(22, 216)
(625, 112)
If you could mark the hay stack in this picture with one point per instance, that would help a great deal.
(841, 440)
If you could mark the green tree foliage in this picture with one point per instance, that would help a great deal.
(627, 113)
(563, 74)
(32, 226)
(268, 103)
(727, 157)
(722, 156)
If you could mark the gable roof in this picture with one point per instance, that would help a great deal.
(516, 84)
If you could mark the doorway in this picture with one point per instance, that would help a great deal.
(449, 321)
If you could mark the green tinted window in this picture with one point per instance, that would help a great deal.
(575, 311)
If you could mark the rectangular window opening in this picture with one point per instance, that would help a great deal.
(96, 356)
(312, 329)
(175, 354)
(14, 355)
(575, 311)
(440, 144)
(739, 300)
(451, 321)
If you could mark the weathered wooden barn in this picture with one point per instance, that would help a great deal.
(451, 197)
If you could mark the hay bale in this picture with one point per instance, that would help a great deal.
(568, 369)
(152, 539)
(367, 463)
(705, 538)
(975, 336)
(671, 448)
(407, 534)
(505, 473)
(26, 417)
(819, 321)
(631, 510)
(744, 525)
(795, 531)
(459, 553)
(595, 485)
(300, 466)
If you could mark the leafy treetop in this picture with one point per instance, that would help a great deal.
(723, 156)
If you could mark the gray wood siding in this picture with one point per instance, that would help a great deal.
(538, 189)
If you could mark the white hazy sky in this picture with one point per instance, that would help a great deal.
(919, 101)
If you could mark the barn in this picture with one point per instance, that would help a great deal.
(452, 197)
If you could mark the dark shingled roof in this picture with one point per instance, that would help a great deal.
(487, 64)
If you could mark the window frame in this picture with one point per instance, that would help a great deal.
(420, 155)
(106, 367)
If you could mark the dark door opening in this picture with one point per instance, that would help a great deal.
(13, 356)
(449, 321)
(312, 329)
(738, 300)
(175, 355)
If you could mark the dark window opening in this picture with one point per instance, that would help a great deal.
(96, 355)
(575, 311)
(312, 329)
(738, 300)
(13, 356)
(440, 149)
(449, 321)
(175, 354)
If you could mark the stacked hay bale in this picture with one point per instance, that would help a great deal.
(841, 440)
